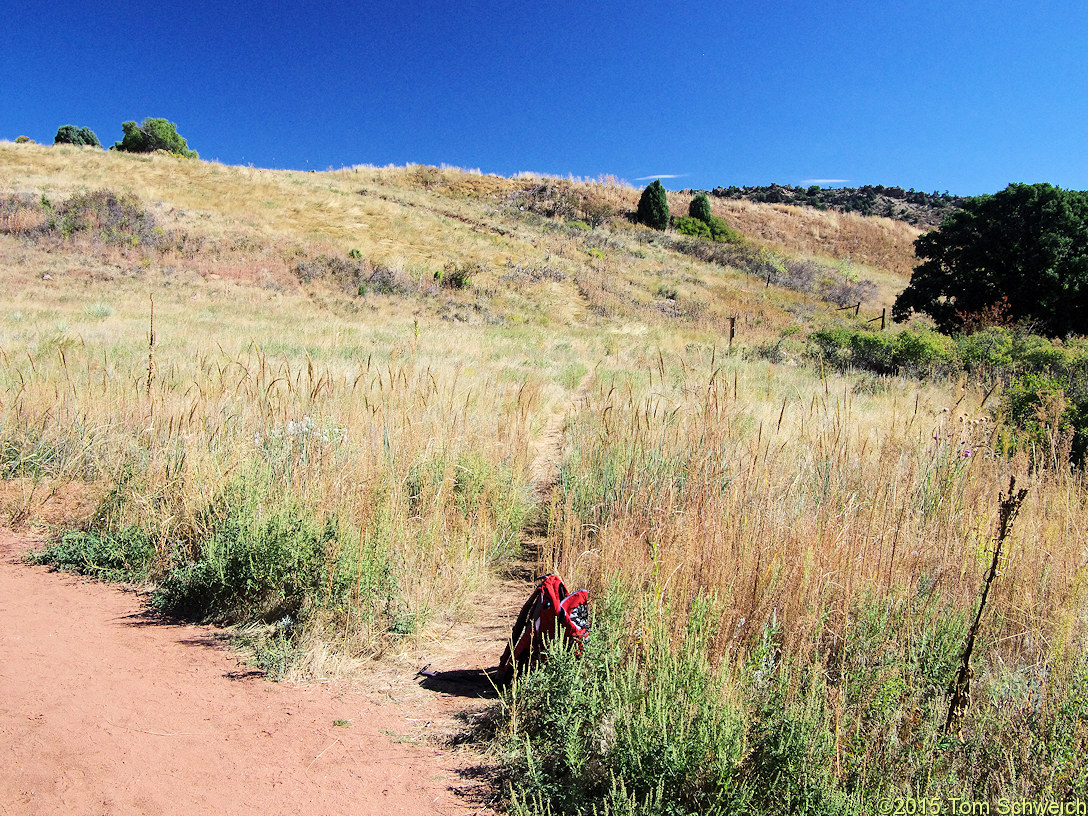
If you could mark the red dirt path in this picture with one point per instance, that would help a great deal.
(106, 711)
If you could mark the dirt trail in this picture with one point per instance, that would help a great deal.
(105, 709)
(462, 659)
(548, 449)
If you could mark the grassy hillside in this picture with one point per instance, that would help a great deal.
(311, 401)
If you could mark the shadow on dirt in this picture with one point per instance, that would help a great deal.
(219, 641)
(473, 683)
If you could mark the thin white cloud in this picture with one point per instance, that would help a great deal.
(825, 181)
(662, 176)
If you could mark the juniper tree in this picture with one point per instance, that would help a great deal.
(653, 207)
(700, 208)
(70, 134)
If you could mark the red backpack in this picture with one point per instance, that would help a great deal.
(548, 612)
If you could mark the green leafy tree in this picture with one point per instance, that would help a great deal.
(1024, 249)
(653, 207)
(151, 135)
(70, 134)
(700, 208)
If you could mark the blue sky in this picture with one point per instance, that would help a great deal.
(958, 96)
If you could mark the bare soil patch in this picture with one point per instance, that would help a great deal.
(105, 709)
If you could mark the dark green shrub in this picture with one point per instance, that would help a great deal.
(653, 207)
(70, 134)
(832, 345)
(700, 208)
(1038, 355)
(909, 351)
(987, 351)
(873, 350)
(151, 135)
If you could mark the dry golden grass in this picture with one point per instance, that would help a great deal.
(832, 493)
(785, 495)
(346, 417)
(812, 508)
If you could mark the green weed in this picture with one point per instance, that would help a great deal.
(127, 555)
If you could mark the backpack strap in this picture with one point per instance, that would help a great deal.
(515, 651)
(549, 610)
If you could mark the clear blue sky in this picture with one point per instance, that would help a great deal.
(941, 95)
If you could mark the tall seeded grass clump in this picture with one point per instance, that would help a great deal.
(784, 492)
(845, 536)
(364, 498)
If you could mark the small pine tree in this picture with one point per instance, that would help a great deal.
(700, 208)
(653, 207)
(70, 134)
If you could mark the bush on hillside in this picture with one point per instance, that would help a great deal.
(700, 208)
(687, 225)
(151, 135)
(70, 134)
(355, 275)
(119, 220)
(550, 199)
(457, 275)
(713, 230)
(653, 207)
(720, 231)
(103, 215)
